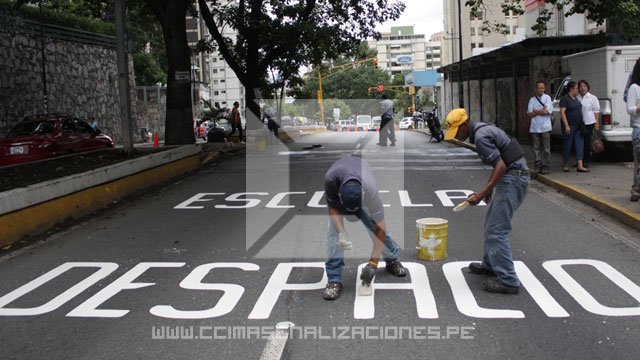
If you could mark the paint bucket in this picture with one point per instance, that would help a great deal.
(432, 238)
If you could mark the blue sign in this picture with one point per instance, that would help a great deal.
(405, 59)
(422, 78)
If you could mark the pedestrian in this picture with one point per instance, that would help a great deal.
(352, 193)
(504, 192)
(93, 122)
(271, 116)
(539, 110)
(633, 109)
(590, 117)
(572, 123)
(387, 130)
(236, 120)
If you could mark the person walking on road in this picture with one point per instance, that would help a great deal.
(572, 123)
(633, 109)
(387, 129)
(352, 193)
(590, 117)
(272, 124)
(505, 191)
(539, 110)
(236, 121)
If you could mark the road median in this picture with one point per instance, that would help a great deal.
(32, 210)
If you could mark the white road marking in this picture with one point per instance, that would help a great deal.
(277, 341)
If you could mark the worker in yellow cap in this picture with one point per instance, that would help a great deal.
(504, 192)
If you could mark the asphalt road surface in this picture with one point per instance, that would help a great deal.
(206, 267)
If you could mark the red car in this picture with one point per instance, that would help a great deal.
(43, 136)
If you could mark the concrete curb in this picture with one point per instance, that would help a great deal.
(33, 210)
(614, 210)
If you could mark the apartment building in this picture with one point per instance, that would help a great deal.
(400, 51)
(210, 70)
(434, 52)
(196, 30)
(475, 39)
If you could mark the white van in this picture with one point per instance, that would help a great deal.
(363, 123)
(606, 70)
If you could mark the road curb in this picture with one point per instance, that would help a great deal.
(614, 210)
(54, 202)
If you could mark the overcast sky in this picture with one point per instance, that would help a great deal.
(425, 15)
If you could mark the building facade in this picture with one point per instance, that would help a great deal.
(400, 51)
(559, 24)
(475, 39)
(212, 77)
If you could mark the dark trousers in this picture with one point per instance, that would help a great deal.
(573, 140)
(387, 130)
(587, 144)
(234, 126)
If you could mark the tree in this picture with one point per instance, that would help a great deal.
(622, 15)
(296, 33)
(171, 15)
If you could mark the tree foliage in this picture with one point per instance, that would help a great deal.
(621, 15)
(288, 34)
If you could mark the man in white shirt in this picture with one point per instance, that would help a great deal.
(590, 116)
(539, 110)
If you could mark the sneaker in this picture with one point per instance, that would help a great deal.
(396, 269)
(634, 198)
(332, 291)
(495, 286)
(478, 269)
(544, 171)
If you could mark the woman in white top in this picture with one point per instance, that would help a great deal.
(590, 117)
(633, 108)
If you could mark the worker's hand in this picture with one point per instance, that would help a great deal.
(597, 126)
(368, 273)
(344, 241)
(567, 130)
(474, 198)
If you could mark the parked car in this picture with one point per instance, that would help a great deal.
(406, 123)
(363, 122)
(44, 136)
(344, 125)
(375, 123)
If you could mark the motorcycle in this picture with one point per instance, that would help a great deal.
(433, 123)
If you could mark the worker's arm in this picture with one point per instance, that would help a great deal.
(336, 217)
(485, 193)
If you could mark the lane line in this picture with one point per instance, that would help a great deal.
(276, 341)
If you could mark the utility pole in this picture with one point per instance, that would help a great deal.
(123, 77)
(45, 102)
(460, 87)
(320, 99)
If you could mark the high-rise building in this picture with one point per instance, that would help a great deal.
(400, 51)
(196, 31)
(474, 38)
(434, 51)
(211, 70)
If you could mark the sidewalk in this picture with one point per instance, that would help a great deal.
(606, 187)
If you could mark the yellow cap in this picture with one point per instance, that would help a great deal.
(454, 119)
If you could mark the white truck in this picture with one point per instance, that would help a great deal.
(606, 70)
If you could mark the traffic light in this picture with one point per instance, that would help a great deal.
(375, 62)
(380, 88)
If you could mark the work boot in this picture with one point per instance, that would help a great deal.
(332, 291)
(396, 269)
(495, 286)
(634, 198)
(478, 269)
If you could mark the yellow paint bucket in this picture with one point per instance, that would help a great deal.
(432, 238)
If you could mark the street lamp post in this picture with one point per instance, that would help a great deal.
(460, 87)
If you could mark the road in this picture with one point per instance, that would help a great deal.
(204, 268)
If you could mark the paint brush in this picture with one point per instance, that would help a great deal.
(463, 205)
